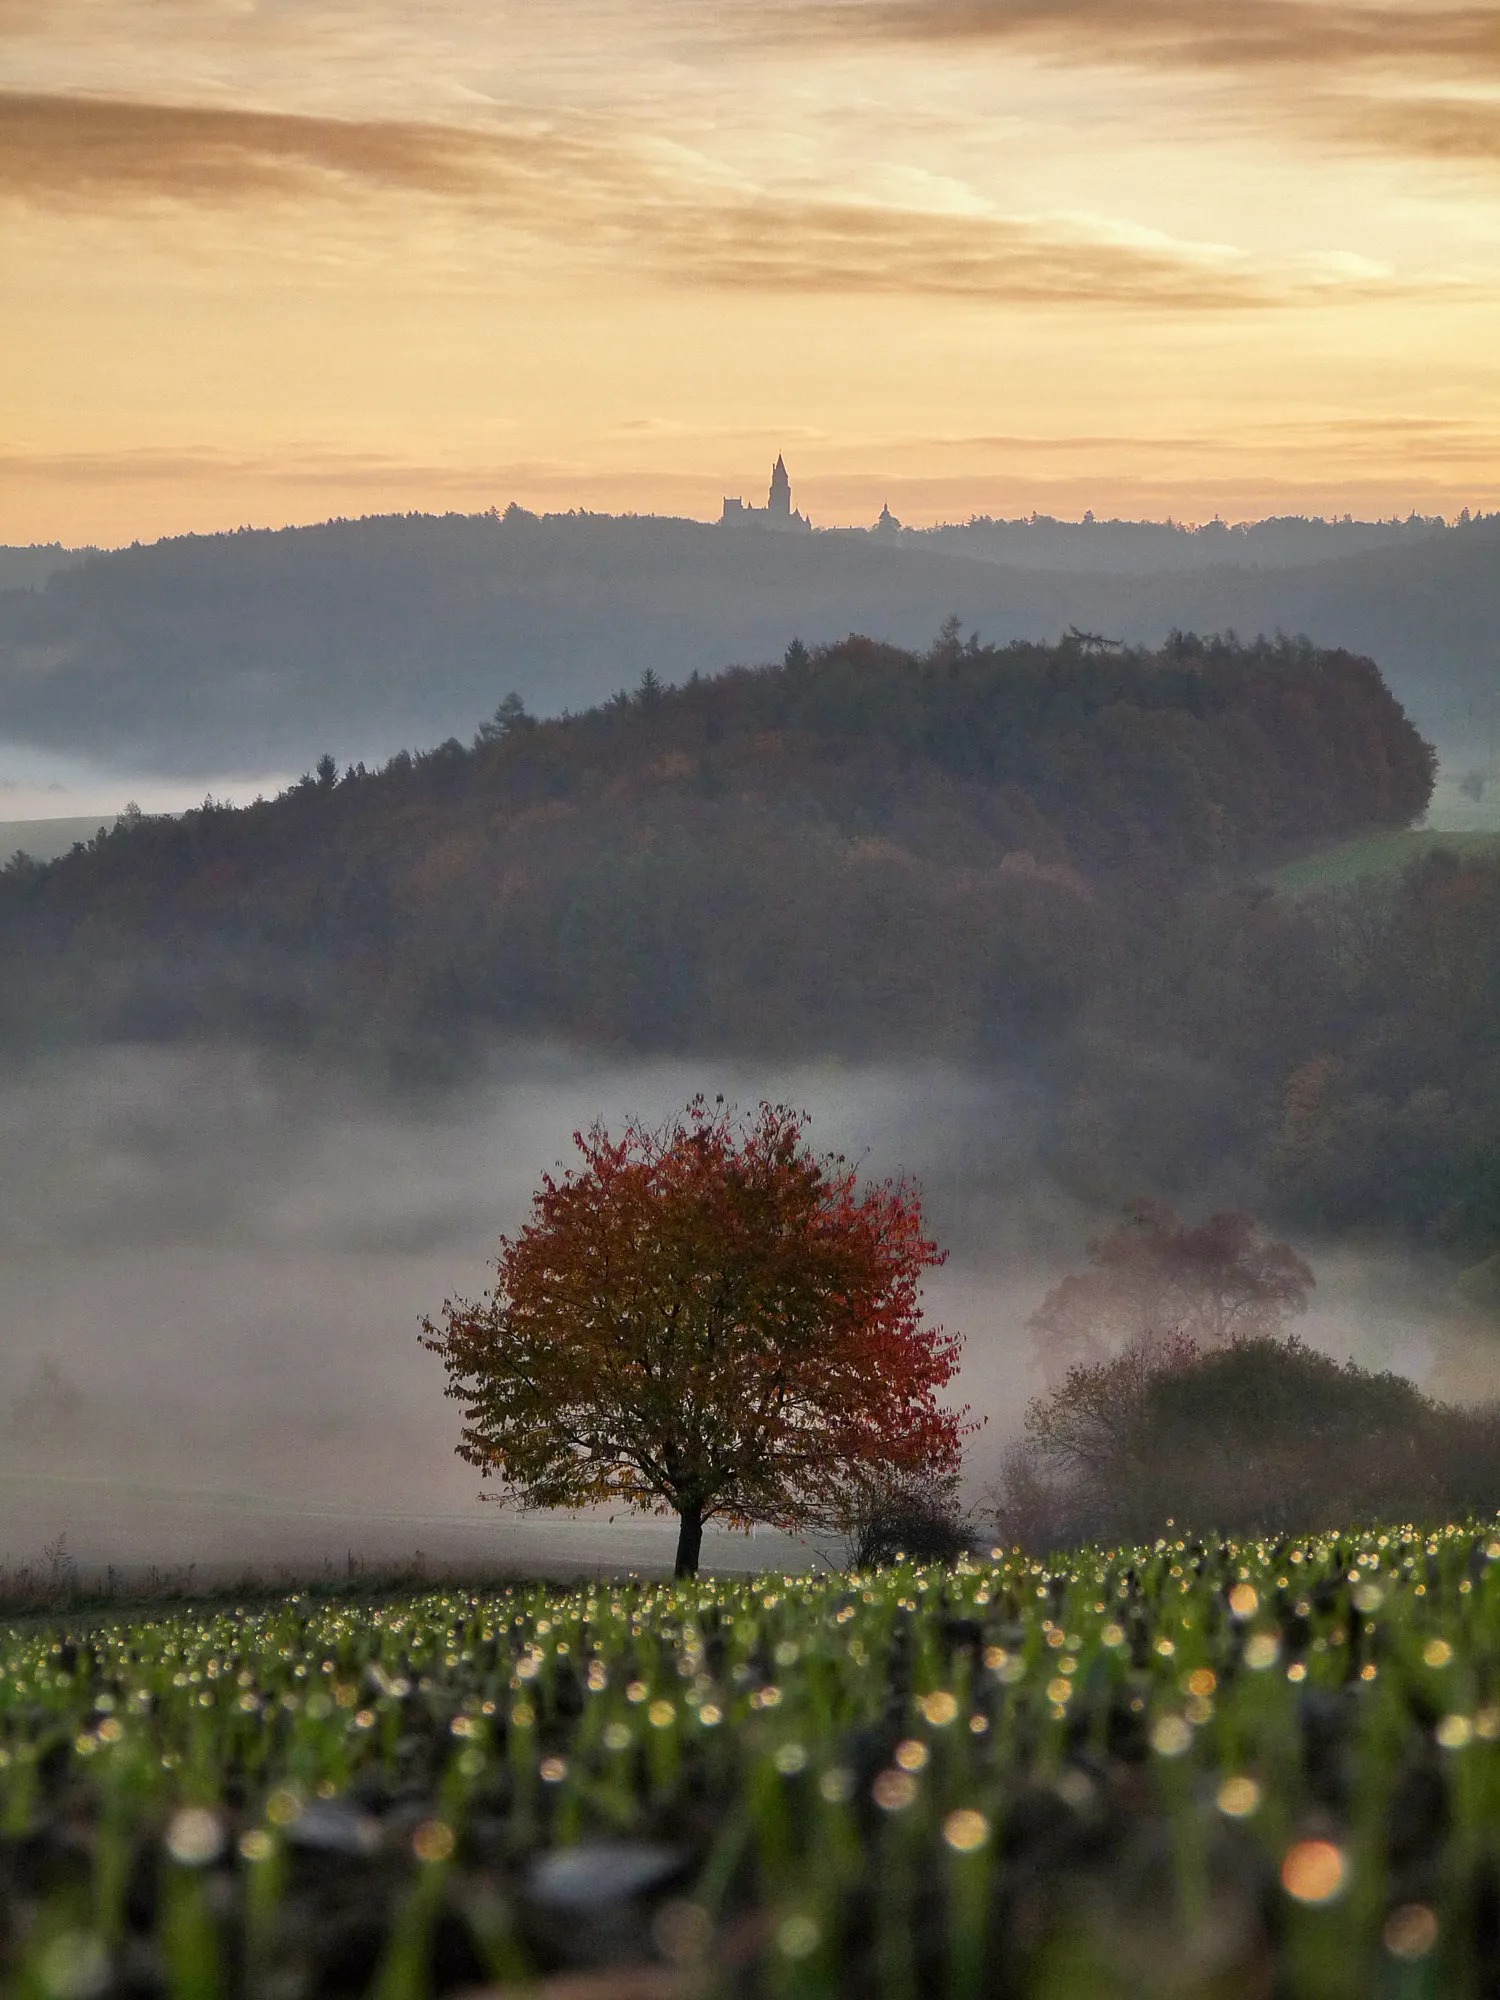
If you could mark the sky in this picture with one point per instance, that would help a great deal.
(269, 262)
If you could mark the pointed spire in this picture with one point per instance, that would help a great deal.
(779, 500)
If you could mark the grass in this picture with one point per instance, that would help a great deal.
(1379, 856)
(1200, 1770)
(53, 1588)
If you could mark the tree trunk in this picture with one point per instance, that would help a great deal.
(689, 1540)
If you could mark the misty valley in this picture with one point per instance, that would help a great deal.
(1078, 1257)
(750, 1000)
(1018, 921)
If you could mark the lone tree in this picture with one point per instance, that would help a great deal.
(706, 1318)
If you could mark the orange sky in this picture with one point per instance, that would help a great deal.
(268, 262)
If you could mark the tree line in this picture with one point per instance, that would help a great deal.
(1179, 1392)
(1052, 856)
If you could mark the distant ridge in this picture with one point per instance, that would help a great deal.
(46, 839)
(254, 651)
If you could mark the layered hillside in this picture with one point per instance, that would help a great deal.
(861, 847)
(246, 653)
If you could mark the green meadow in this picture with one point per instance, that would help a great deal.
(1206, 1769)
(1378, 856)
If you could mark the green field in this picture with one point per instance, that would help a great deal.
(1232, 1770)
(1376, 855)
(46, 839)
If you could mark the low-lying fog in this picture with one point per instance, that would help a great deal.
(215, 1264)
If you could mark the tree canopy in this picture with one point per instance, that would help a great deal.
(1156, 1280)
(1263, 1436)
(709, 1319)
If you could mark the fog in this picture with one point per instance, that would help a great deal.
(251, 653)
(216, 1262)
(42, 784)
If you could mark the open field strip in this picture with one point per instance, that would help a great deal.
(1196, 1768)
(1379, 857)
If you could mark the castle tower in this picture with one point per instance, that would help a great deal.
(778, 511)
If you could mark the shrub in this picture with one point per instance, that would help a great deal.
(1266, 1437)
(916, 1518)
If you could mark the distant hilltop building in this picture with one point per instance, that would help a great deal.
(777, 512)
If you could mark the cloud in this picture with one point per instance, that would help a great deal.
(587, 187)
(1295, 35)
(1408, 79)
(793, 243)
(1434, 126)
(295, 461)
(98, 151)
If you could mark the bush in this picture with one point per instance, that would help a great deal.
(920, 1520)
(1263, 1438)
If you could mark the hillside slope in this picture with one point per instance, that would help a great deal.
(861, 847)
(252, 652)
(1048, 865)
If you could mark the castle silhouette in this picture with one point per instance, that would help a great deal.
(777, 512)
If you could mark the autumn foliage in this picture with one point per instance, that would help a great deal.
(706, 1318)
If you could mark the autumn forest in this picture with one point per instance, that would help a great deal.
(1049, 857)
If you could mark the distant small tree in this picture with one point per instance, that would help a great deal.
(708, 1319)
(51, 1404)
(1096, 1425)
(1156, 1279)
(949, 642)
(509, 719)
(327, 772)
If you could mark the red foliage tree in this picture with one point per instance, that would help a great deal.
(707, 1319)
(1158, 1279)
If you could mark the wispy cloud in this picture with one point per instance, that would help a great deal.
(609, 195)
(803, 243)
(1297, 35)
(1444, 126)
(1414, 77)
(101, 151)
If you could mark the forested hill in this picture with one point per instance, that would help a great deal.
(244, 653)
(859, 847)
